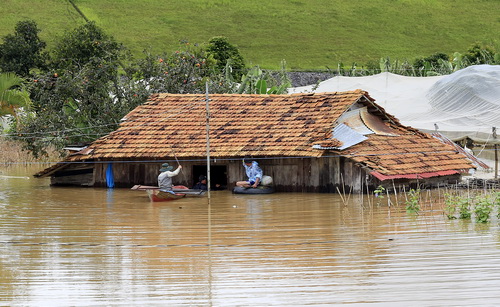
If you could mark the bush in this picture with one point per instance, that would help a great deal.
(226, 54)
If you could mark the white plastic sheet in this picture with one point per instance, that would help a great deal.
(463, 104)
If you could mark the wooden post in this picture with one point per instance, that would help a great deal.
(495, 147)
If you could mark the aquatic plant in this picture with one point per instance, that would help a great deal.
(450, 209)
(379, 194)
(483, 208)
(413, 202)
(496, 202)
(464, 207)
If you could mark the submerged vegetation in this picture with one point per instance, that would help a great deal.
(12, 153)
(479, 205)
(413, 201)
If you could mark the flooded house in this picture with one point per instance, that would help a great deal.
(315, 142)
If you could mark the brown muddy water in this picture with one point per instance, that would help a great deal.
(99, 247)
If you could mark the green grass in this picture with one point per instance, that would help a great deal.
(307, 34)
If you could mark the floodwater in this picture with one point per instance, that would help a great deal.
(100, 247)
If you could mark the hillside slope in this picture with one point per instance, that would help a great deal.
(307, 34)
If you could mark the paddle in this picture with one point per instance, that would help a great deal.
(175, 156)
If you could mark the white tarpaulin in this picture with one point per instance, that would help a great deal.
(463, 104)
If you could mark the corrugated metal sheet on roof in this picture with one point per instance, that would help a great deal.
(347, 136)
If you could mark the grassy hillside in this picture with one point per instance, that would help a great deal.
(308, 34)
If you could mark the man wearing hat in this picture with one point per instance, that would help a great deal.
(254, 173)
(165, 177)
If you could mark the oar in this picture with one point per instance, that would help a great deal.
(175, 156)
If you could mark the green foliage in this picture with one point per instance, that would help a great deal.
(379, 193)
(450, 208)
(225, 54)
(257, 81)
(413, 202)
(425, 66)
(464, 208)
(496, 202)
(85, 44)
(478, 54)
(12, 94)
(83, 98)
(23, 50)
(76, 108)
(483, 208)
(86, 88)
(183, 71)
(457, 204)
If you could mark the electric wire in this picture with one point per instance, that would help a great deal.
(182, 110)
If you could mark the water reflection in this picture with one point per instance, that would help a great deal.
(84, 246)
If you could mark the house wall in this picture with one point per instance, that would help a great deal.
(319, 175)
(322, 175)
(126, 175)
(79, 174)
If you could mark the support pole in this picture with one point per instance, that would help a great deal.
(207, 118)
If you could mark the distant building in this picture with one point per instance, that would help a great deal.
(307, 142)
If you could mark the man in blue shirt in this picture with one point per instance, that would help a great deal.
(202, 184)
(254, 173)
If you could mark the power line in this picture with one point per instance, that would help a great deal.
(180, 111)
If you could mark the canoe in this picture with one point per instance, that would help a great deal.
(155, 195)
(257, 190)
(180, 191)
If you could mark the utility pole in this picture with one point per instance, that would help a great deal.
(207, 119)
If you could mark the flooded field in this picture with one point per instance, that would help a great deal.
(99, 247)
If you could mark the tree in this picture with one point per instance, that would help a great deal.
(184, 71)
(226, 54)
(83, 96)
(76, 108)
(12, 96)
(82, 45)
(23, 50)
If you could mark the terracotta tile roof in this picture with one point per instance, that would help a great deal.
(271, 126)
(411, 152)
(240, 125)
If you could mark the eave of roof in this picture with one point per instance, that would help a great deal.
(383, 177)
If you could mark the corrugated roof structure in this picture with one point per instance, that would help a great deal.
(297, 125)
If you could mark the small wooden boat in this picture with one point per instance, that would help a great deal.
(156, 195)
(257, 190)
(179, 191)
